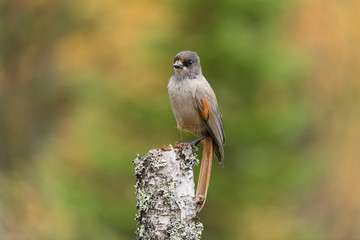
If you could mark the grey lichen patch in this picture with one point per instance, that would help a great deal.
(165, 189)
(140, 163)
(140, 232)
(178, 230)
(188, 160)
(145, 200)
(158, 162)
(154, 161)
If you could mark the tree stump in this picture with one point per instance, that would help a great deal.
(165, 190)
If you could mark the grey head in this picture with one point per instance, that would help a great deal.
(186, 65)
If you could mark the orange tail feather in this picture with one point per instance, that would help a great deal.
(205, 172)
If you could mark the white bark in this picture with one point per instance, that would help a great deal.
(165, 190)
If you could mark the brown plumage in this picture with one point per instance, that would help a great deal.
(196, 110)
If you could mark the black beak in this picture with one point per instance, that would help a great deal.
(177, 65)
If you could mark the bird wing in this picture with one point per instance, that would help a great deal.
(210, 113)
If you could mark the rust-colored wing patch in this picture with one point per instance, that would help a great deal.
(211, 115)
(206, 112)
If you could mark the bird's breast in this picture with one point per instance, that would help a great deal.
(182, 102)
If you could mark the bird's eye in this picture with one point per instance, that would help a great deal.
(188, 63)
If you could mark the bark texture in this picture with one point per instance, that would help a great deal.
(165, 189)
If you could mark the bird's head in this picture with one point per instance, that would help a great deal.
(187, 64)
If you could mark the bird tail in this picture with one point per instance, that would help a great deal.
(205, 172)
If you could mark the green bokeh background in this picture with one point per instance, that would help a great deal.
(83, 89)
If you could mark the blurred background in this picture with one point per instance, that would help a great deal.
(83, 89)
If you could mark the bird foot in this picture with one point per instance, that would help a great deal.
(187, 144)
(193, 144)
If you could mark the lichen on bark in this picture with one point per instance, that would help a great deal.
(165, 190)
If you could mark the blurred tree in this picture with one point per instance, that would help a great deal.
(32, 96)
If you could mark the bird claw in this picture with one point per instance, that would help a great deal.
(186, 144)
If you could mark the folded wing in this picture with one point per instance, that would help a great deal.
(212, 117)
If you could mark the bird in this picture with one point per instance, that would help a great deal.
(196, 110)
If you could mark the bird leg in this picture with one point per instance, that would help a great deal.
(195, 142)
